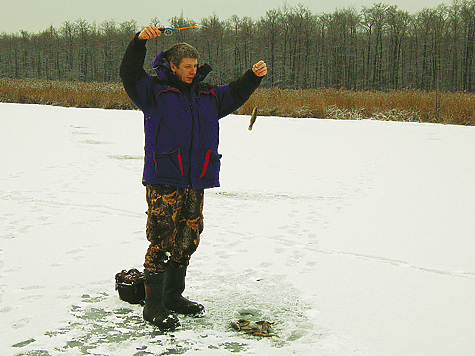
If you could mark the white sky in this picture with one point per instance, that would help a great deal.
(35, 16)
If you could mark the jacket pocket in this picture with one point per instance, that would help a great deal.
(168, 164)
(211, 165)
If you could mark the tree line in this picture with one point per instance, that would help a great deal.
(376, 48)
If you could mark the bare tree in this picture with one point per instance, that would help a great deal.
(377, 48)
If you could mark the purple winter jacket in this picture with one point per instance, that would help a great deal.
(180, 121)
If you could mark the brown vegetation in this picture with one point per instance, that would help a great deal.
(68, 94)
(395, 105)
(400, 105)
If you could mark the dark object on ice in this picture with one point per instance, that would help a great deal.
(154, 311)
(172, 297)
(130, 285)
(257, 328)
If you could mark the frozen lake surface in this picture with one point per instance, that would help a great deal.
(354, 237)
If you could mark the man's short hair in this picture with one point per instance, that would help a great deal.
(181, 50)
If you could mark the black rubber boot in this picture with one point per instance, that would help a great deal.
(174, 287)
(154, 311)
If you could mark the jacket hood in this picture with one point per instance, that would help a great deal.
(161, 66)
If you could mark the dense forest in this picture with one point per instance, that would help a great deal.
(375, 48)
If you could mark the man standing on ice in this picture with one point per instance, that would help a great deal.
(181, 116)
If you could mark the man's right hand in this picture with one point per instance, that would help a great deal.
(149, 32)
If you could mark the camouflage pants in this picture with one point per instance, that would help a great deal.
(174, 225)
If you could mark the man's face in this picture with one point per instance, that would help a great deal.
(187, 69)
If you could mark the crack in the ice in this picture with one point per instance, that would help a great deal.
(399, 263)
(16, 196)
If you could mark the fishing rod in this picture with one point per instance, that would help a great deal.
(168, 31)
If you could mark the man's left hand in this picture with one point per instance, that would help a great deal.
(260, 68)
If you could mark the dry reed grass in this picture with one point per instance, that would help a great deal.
(401, 105)
(68, 94)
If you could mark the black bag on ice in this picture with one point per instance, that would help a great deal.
(130, 285)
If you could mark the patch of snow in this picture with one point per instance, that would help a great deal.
(354, 237)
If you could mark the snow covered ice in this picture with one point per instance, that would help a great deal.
(354, 237)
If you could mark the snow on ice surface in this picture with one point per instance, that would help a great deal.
(354, 237)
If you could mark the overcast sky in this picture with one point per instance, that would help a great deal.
(35, 16)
